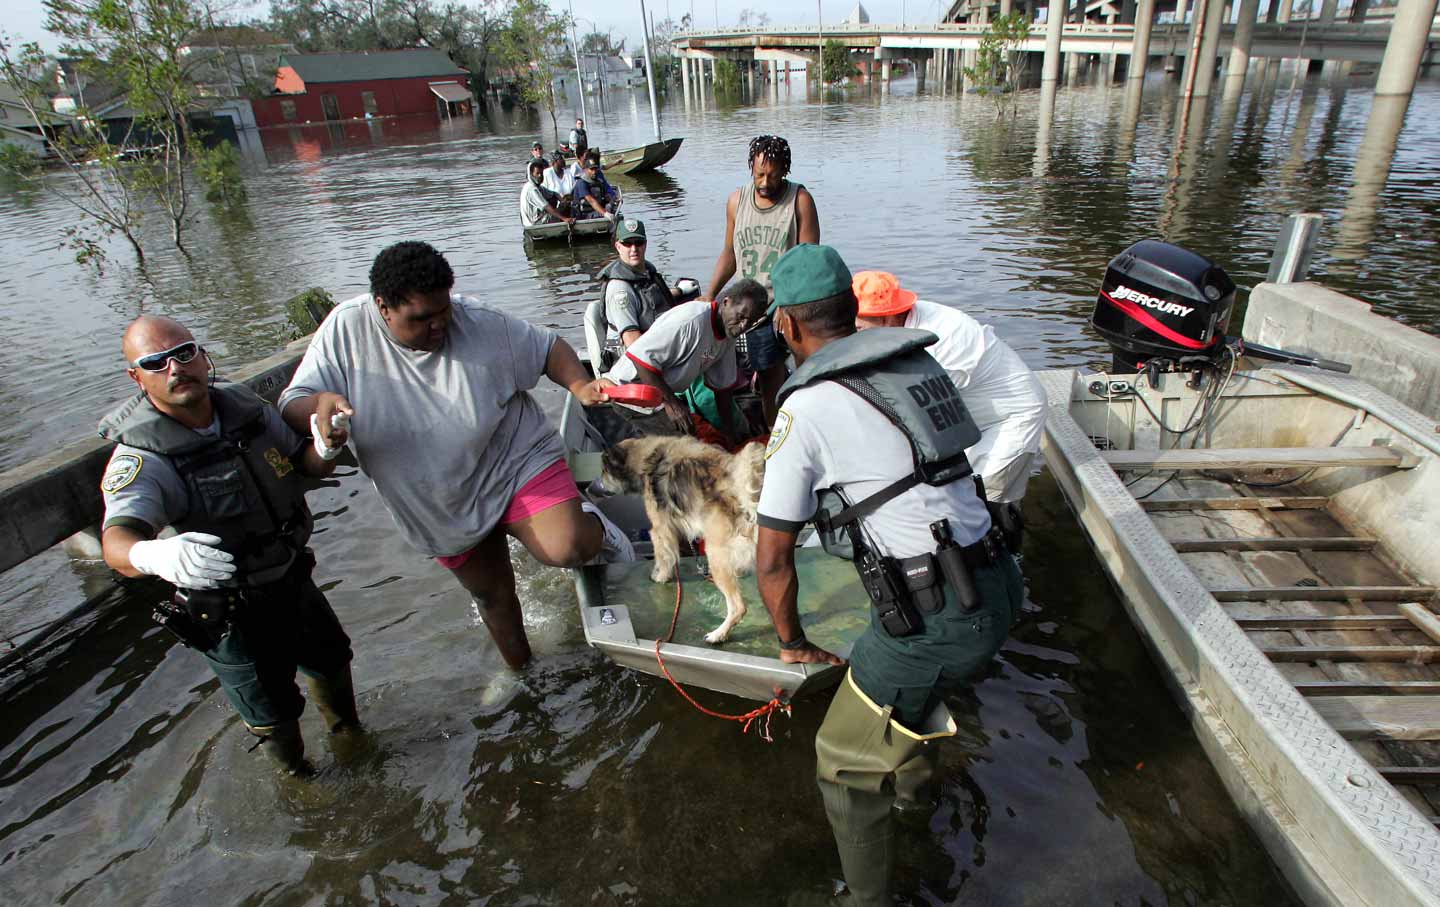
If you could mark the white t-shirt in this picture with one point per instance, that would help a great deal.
(448, 436)
(562, 185)
(680, 346)
(826, 436)
(532, 205)
(1003, 396)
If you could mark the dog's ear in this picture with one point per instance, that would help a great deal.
(615, 463)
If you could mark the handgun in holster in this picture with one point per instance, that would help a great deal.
(951, 559)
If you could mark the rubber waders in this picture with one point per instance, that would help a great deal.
(864, 760)
(285, 747)
(334, 697)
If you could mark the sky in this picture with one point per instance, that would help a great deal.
(24, 19)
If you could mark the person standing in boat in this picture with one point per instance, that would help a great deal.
(763, 219)
(579, 141)
(870, 446)
(539, 205)
(411, 363)
(695, 341)
(1004, 397)
(634, 291)
(217, 463)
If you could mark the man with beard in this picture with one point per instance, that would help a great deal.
(216, 462)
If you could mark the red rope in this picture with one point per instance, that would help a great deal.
(765, 711)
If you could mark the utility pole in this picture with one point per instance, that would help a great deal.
(579, 73)
(649, 69)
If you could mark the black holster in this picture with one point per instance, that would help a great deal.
(1009, 521)
(175, 619)
(885, 584)
(957, 576)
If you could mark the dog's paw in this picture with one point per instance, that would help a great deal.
(717, 636)
(661, 576)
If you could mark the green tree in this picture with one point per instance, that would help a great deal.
(532, 40)
(727, 76)
(835, 65)
(100, 189)
(137, 44)
(597, 42)
(999, 60)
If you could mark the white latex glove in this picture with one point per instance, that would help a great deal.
(339, 422)
(187, 560)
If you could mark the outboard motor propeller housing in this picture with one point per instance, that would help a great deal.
(1161, 301)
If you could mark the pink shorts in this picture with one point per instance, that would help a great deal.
(554, 485)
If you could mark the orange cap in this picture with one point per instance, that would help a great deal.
(879, 294)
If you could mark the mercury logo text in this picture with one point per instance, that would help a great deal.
(1150, 302)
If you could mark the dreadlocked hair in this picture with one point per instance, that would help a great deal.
(772, 148)
(409, 267)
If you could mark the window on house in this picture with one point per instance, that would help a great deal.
(368, 99)
(287, 110)
(248, 62)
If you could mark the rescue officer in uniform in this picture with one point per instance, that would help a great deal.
(869, 444)
(216, 462)
(634, 291)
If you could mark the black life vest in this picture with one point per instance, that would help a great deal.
(649, 287)
(239, 485)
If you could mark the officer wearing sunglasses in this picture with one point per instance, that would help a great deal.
(217, 463)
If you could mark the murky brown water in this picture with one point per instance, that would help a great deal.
(123, 774)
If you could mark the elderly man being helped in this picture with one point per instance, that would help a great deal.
(693, 339)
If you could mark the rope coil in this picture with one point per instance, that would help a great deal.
(766, 711)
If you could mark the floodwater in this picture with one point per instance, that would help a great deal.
(125, 778)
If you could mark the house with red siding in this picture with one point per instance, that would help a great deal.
(322, 88)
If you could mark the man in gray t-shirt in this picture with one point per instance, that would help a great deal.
(436, 387)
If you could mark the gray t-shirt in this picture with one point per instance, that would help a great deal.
(681, 345)
(623, 309)
(449, 436)
(827, 436)
(140, 486)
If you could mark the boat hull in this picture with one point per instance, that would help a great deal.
(1336, 828)
(641, 158)
(589, 228)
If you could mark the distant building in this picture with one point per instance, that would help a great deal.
(234, 60)
(17, 126)
(615, 70)
(319, 88)
(858, 16)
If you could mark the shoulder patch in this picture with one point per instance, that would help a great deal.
(121, 472)
(779, 433)
(278, 462)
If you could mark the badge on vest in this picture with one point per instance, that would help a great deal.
(278, 462)
(779, 433)
(121, 472)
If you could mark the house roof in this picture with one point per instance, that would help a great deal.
(363, 66)
(236, 36)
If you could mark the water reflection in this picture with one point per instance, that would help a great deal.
(1372, 170)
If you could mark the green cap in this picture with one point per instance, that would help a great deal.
(806, 273)
(629, 228)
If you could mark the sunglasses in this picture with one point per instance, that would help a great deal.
(159, 362)
(631, 242)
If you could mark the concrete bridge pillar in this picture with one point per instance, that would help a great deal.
(1140, 45)
(1239, 62)
(1406, 47)
(1055, 22)
(920, 66)
(774, 71)
(885, 71)
(685, 75)
(1209, 48)
(1005, 7)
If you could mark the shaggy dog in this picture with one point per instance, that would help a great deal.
(694, 490)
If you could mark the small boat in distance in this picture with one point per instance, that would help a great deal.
(584, 228)
(640, 158)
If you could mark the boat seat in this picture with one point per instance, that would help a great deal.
(1259, 458)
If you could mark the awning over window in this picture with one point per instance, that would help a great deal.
(449, 91)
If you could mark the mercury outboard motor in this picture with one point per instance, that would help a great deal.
(1166, 308)
(1159, 301)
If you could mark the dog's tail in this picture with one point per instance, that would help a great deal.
(747, 471)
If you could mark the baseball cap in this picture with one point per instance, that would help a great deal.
(806, 273)
(629, 228)
(879, 293)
